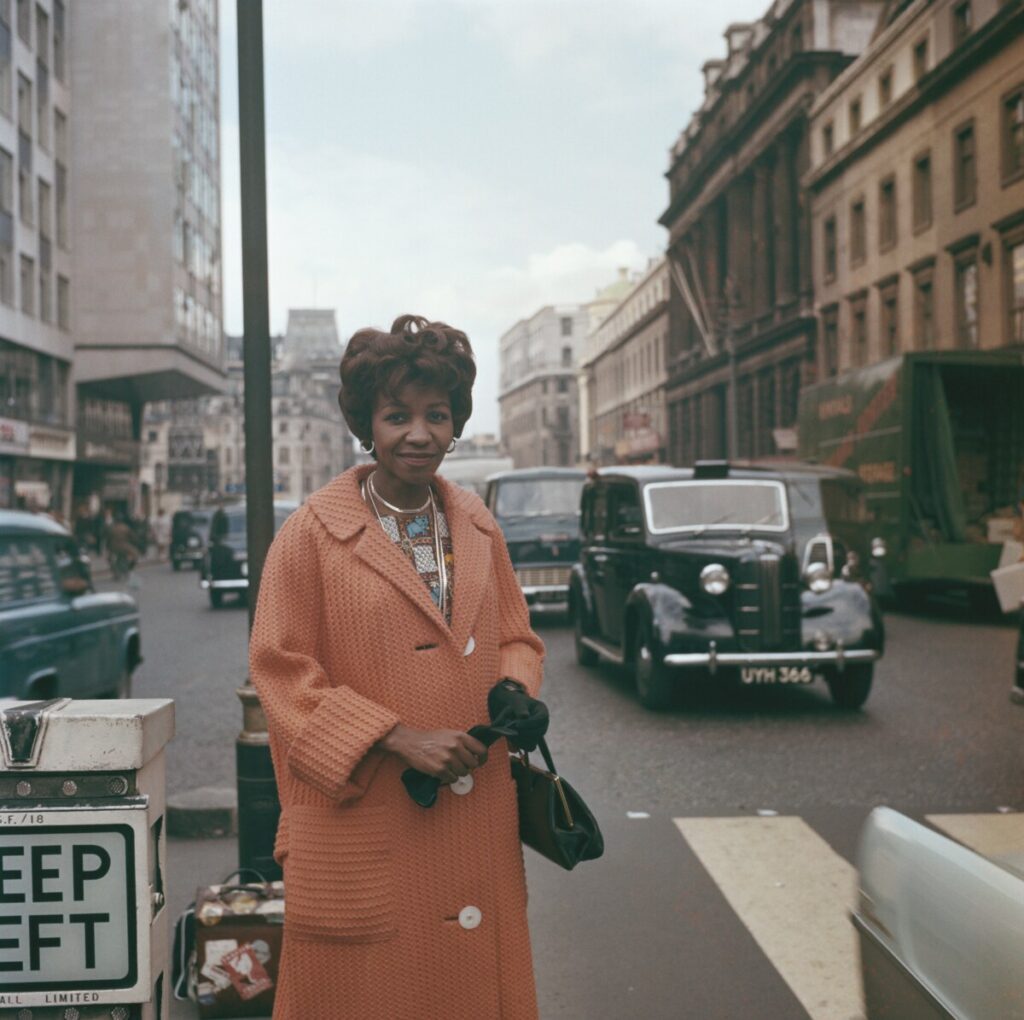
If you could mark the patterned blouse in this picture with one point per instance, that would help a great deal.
(414, 533)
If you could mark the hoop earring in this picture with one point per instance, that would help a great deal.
(364, 447)
(452, 447)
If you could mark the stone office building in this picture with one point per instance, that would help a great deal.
(917, 188)
(538, 401)
(742, 326)
(624, 374)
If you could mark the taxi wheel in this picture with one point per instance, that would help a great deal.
(654, 682)
(850, 689)
(585, 656)
(176, 565)
(216, 598)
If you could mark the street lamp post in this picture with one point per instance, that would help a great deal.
(258, 806)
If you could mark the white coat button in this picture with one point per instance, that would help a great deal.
(470, 645)
(470, 917)
(462, 785)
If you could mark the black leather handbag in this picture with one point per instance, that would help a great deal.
(553, 819)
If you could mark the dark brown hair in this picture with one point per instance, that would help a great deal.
(414, 351)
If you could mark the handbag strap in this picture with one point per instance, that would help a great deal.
(542, 746)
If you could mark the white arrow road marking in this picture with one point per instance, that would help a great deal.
(794, 894)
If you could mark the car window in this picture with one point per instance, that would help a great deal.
(728, 504)
(27, 573)
(600, 513)
(537, 497)
(624, 510)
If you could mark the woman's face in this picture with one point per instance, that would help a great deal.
(412, 430)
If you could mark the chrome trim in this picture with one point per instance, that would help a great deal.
(605, 651)
(535, 589)
(233, 583)
(713, 658)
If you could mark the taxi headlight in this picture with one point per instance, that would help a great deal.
(818, 577)
(878, 548)
(714, 579)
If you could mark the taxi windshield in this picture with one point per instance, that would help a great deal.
(721, 505)
(539, 497)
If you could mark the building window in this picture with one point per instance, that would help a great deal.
(885, 88)
(63, 303)
(45, 293)
(284, 455)
(856, 115)
(924, 310)
(59, 47)
(922, 191)
(25, 22)
(921, 59)
(24, 105)
(563, 385)
(42, 36)
(28, 285)
(965, 170)
(967, 301)
(1013, 136)
(963, 22)
(858, 332)
(1016, 267)
(858, 232)
(828, 139)
(889, 319)
(566, 325)
(6, 94)
(45, 219)
(566, 357)
(830, 248)
(43, 104)
(830, 341)
(887, 233)
(62, 205)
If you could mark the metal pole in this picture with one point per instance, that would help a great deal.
(258, 806)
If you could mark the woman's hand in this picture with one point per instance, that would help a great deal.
(444, 754)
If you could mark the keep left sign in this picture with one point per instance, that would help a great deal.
(68, 917)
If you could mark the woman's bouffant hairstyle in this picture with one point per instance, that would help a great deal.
(414, 351)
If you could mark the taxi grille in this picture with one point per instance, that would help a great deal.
(768, 604)
(535, 577)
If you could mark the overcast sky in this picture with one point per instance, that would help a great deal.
(467, 161)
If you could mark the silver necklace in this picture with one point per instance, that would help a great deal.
(442, 568)
(391, 506)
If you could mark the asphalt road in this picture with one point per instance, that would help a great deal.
(731, 820)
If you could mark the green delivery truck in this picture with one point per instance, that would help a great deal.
(937, 437)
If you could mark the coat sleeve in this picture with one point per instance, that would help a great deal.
(324, 731)
(521, 652)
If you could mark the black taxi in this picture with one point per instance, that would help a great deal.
(761, 571)
(538, 511)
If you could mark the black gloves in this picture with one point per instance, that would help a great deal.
(510, 705)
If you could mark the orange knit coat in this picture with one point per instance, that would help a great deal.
(346, 643)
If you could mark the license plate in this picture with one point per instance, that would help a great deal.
(776, 674)
(67, 893)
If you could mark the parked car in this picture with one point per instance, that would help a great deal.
(1017, 691)
(190, 531)
(58, 636)
(225, 566)
(538, 511)
(941, 928)
(760, 570)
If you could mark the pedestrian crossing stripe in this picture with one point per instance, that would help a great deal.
(794, 894)
(989, 835)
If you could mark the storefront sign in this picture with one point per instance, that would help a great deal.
(51, 443)
(109, 451)
(13, 436)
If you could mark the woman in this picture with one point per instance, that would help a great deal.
(388, 613)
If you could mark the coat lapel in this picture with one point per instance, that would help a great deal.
(471, 546)
(341, 509)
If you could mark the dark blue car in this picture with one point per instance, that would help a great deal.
(59, 637)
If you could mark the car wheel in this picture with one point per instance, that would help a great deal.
(176, 565)
(216, 598)
(850, 689)
(654, 682)
(585, 656)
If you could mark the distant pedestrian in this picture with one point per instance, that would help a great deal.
(389, 622)
(161, 533)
